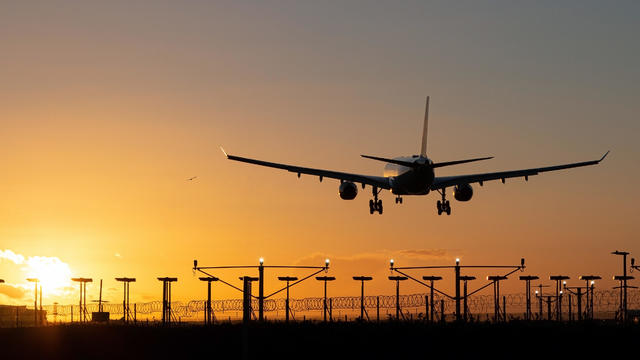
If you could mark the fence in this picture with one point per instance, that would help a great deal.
(605, 303)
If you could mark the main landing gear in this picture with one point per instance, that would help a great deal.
(443, 206)
(375, 204)
(398, 199)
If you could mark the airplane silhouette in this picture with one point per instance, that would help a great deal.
(413, 175)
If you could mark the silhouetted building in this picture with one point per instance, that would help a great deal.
(18, 316)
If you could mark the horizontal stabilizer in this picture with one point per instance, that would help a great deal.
(393, 161)
(449, 163)
(419, 164)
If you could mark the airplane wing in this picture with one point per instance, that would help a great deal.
(448, 181)
(378, 181)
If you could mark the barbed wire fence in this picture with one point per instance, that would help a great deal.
(605, 303)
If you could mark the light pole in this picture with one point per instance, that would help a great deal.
(208, 311)
(125, 300)
(457, 267)
(558, 279)
(261, 290)
(325, 279)
(623, 284)
(287, 279)
(35, 302)
(496, 295)
(362, 279)
(432, 303)
(590, 285)
(83, 297)
(247, 282)
(528, 279)
(464, 301)
(261, 267)
(397, 279)
(166, 298)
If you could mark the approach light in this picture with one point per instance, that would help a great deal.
(326, 262)
(564, 283)
(536, 292)
(561, 292)
(457, 261)
(261, 261)
(391, 262)
(592, 282)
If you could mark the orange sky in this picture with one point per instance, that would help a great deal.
(105, 110)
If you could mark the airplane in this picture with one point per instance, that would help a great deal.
(413, 175)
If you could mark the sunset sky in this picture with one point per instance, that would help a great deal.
(107, 107)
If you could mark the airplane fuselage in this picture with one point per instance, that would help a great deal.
(409, 181)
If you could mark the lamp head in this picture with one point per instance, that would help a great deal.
(391, 263)
(261, 261)
(326, 262)
(457, 261)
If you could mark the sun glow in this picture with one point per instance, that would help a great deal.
(53, 274)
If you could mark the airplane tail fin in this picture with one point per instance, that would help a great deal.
(425, 130)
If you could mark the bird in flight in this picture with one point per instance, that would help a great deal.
(192, 178)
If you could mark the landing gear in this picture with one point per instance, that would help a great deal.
(398, 199)
(443, 206)
(375, 204)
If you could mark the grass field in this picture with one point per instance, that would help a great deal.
(322, 341)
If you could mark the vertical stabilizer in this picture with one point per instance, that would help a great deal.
(425, 130)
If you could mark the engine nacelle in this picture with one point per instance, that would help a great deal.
(348, 190)
(463, 192)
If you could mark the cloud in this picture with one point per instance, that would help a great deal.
(426, 253)
(382, 256)
(11, 256)
(14, 292)
(53, 273)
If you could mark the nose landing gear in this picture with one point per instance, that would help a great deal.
(443, 206)
(375, 204)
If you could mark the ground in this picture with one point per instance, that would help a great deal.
(312, 340)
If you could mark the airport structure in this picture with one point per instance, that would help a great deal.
(562, 299)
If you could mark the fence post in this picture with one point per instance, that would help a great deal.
(426, 307)
(504, 308)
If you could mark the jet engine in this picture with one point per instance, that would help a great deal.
(348, 190)
(463, 192)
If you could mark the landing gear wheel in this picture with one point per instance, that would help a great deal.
(444, 205)
(375, 204)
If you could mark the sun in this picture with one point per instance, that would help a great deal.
(54, 275)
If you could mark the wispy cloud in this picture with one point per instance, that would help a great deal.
(383, 256)
(426, 253)
(11, 291)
